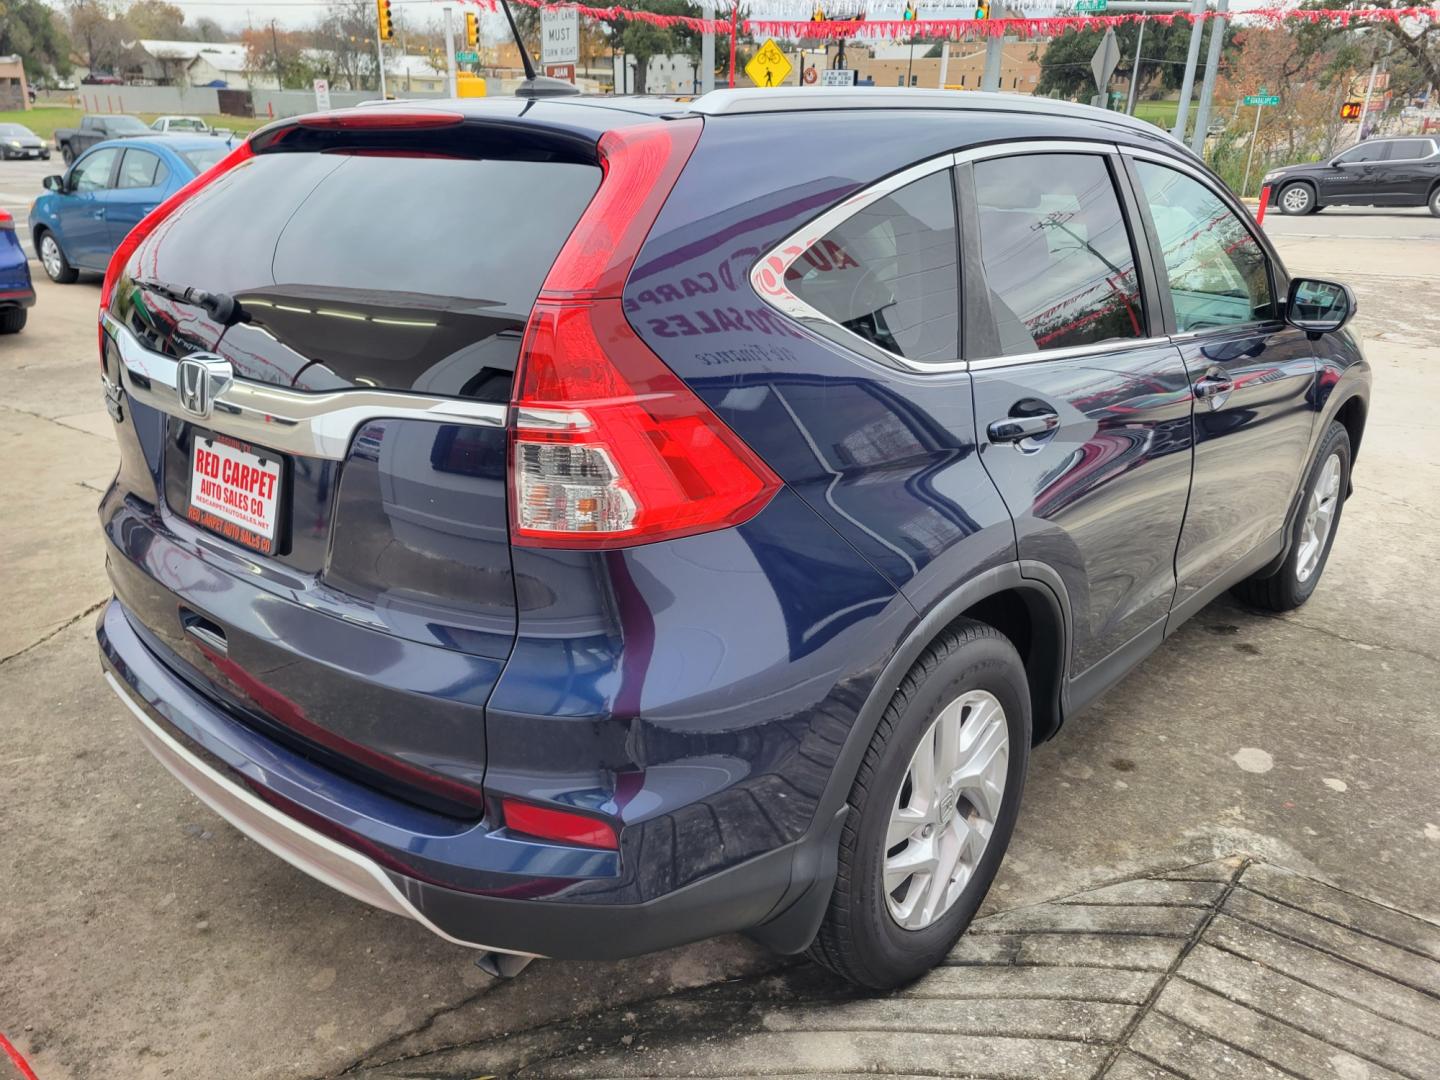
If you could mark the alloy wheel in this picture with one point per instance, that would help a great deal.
(51, 258)
(1319, 518)
(946, 809)
(1295, 199)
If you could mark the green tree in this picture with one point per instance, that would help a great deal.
(31, 29)
(643, 40)
(1065, 64)
(156, 19)
(97, 35)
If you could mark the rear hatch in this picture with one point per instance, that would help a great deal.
(330, 561)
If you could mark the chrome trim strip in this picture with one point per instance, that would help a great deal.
(311, 852)
(292, 421)
(1098, 349)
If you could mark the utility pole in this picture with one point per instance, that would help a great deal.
(380, 60)
(1212, 68)
(1370, 90)
(451, 79)
(1135, 69)
(280, 81)
(994, 54)
(707, 49)
(944, 62)
(1187, 87)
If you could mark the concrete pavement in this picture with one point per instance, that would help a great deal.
(141, 937)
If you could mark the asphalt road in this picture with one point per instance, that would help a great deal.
(20, 185)
(142, 937)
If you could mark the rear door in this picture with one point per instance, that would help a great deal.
(1253, 376)
(84, 229)
(1411, 169)
(359, 599)
(1082, 406)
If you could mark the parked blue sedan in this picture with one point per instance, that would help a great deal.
(84, 214)
(16, 292)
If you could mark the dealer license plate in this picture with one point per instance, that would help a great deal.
(235, 491)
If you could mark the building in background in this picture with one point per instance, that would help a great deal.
(14, 90)
(897, 64)
(196, 63)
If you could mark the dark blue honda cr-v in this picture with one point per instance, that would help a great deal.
(585, 526)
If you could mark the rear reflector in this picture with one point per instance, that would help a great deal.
(609, 448)
(547, 823)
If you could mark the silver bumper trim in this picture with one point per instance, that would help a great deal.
(299, 422)
(302, 847)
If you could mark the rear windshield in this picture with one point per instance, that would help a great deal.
(364, 269)
(200, 160)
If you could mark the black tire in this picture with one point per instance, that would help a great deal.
(1284, 590)
(1434, 202)
(12, 320)
(859, 939)
(67, 154)
(60, 271)
(1294, 204)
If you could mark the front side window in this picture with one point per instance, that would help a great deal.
(1216, 268)
(92, 173)
(1367, 151)
(888, 273)
(1056, 251)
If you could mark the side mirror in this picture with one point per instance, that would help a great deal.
(53, 183)
(1319, 307)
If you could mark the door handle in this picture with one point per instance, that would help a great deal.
(1213, 389)
(1014, 429)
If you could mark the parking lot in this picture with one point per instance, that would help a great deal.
(1250, 756)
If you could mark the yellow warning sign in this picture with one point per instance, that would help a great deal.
(768, 67)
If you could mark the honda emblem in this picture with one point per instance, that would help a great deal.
(199, 380)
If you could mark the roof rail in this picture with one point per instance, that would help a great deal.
(805, 99)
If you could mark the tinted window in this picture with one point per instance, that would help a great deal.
(200, 160)
(1367, 151)
(127, 124)
(92, 173)
(1410, 150)
(1216, 268)
(357, 269)
(141, 169)
(888, 272)
(1056, 252)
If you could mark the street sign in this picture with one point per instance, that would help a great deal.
(322, 95)
(769, 66)
(837, 77)
(559, 35)
(1089, 6)
(1107, 55)
(465, 56)
(1259, 99)
(561, 71)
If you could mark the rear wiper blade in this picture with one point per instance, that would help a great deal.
(222, 307)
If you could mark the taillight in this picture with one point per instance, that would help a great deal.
(548, 823)
(7, 220)
(148, 223)
(609, 448)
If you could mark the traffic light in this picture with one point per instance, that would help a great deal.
(387, 28)
(982, 9)
(472, 30)
(1350, 110)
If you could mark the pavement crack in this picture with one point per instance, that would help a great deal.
(1170, 973)
(58, 630)
(1337, 636)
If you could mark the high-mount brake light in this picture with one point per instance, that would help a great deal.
(380, 120)
(609, 448)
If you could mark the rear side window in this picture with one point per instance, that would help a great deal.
(1217, 271)
(1056, 252)
(888, 273)
(1411, 150)
(200, 160)
(141, 169)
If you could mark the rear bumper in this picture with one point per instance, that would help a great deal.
(17, 297)
(237, 774)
